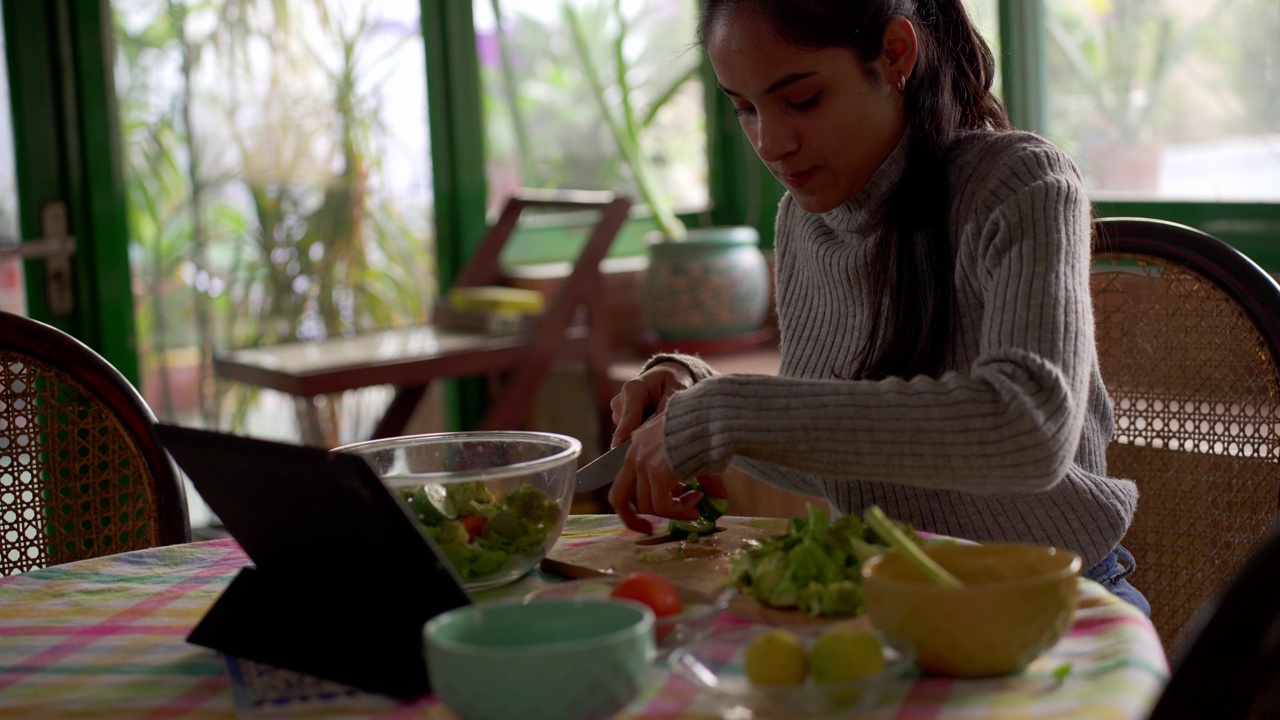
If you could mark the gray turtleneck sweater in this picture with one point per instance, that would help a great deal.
(1008, 443)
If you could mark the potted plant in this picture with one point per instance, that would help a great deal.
(701, 283)
(1122, 62)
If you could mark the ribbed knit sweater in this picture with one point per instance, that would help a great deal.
(1008, 443)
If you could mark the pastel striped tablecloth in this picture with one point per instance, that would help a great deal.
(106, 638)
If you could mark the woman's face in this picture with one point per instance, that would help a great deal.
(815, 118)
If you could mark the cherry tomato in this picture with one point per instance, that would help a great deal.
(474, 525)
(651, 589)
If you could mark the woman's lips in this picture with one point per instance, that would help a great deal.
(800, 179)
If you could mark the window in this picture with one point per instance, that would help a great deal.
(544, 124)
(986, 16)
(1173, 100)
(278, 185)
(13, 297)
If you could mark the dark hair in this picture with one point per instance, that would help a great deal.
(949, 91)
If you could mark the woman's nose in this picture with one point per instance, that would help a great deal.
(774, 139)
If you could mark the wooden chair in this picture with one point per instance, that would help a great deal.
(81, 472)
(573, 327)
(1231, 669)
(1188, 336)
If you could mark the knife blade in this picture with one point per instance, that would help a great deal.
(603, 470)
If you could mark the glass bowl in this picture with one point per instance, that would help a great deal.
(493, 502)
(699, 609)
(715, 665)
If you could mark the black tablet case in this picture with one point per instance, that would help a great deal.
(344, 578)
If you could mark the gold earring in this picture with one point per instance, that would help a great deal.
(902, 83)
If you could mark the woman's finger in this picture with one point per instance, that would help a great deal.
(629, 413)
(622, 498)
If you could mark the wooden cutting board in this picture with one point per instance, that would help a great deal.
(703, 564)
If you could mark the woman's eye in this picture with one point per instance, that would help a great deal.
(806, 104)
(740, 111)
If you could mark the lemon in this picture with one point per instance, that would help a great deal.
(775, 657)
(845, 652)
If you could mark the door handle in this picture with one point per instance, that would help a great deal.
(55, 247)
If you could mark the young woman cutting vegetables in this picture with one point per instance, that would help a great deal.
(932, 271)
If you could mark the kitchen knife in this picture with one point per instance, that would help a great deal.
(603, 470)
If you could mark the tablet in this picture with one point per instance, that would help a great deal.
(343, 576)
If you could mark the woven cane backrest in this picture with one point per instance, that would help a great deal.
(1196, 391)
(75, 478)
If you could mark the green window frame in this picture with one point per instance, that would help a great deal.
(741, 190)
(1252, 228)
(62, 98)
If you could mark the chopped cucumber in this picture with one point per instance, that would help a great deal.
(709, 509)
(712, 508)
(681, 529)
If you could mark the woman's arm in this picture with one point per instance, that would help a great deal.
(1011, 422)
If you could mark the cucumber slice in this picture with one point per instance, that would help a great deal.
(709, 509)
(680, 529)
(712, 508)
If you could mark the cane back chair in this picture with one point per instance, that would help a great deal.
(1231, 668)
(81, 473)
(1188, 336)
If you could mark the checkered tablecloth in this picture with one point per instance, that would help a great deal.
(106, 638)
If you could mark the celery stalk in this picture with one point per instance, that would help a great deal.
(879, 522)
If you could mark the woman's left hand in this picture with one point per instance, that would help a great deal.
(648, 485)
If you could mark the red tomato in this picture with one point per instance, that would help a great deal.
(651, 589)
(474, 525)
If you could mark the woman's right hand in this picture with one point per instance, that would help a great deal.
(648, 390)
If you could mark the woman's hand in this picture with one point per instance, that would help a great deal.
(648, 390)
(646, 484)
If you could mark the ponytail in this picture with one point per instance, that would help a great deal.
(949, 91)
(913, 266)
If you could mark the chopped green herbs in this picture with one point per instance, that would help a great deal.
(815, 566)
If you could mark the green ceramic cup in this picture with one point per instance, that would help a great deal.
(553, 659)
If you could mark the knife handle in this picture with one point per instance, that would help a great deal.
(559, 568)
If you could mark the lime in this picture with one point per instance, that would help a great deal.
(845, 652)
(775, 657)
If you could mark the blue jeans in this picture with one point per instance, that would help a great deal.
(1112, 575)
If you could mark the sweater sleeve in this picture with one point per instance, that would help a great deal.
(697, 366)
(1011, 422)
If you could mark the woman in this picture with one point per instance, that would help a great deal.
(932, 295)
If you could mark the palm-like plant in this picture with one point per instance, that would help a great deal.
(319, 247)
(1123, 62)
(619, 101)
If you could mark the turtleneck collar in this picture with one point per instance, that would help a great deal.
(850, 215)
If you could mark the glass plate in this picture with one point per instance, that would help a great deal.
(698, 616)
(714, 666)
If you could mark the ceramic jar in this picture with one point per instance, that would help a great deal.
(714, 284)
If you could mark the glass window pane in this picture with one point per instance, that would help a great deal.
(278, 182)
(1168, 99)
(13, 294)
(544, 123)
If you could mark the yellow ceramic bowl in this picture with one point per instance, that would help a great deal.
(1016, 603)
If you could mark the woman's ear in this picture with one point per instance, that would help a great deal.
(898, 60)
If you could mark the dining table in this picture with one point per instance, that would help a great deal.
(106, 637)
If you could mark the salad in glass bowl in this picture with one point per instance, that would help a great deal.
(494, 503)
